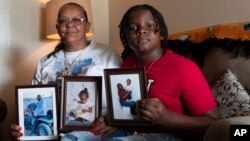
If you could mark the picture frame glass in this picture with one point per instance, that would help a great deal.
(124, 88)
(37, 111)
(81, 100)
(75, 106)
(122, 111)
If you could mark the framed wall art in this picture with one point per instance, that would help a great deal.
(37, 111)
(124, 87)
(80, 103)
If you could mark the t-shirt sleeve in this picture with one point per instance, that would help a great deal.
(114, 60)
(195, 91)
(37, 78)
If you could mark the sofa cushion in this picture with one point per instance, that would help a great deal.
(232, 99)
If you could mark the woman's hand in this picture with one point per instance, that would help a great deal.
(153, 110)
(15, 131)
(100, 127)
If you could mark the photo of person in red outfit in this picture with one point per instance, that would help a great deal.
(125, 99)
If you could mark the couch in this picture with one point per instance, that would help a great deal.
(216, 61)
(215, 49)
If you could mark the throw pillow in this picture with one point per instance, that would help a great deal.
(232, 99)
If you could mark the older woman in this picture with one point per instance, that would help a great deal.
(75, 55)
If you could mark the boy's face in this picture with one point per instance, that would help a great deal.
(128, 82)
(142, 32)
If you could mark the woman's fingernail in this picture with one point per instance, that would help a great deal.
(20, 128)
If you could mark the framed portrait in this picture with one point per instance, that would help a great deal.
(124, 87)
(37, 111)
(80, 103)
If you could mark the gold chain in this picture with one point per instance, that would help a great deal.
(152, 64)
(68, 66)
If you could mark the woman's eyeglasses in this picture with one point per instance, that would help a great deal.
(74, 21)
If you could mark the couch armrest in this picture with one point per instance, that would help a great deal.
(219, 130)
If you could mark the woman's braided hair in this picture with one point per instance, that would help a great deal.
(162, 27)
(60, 46)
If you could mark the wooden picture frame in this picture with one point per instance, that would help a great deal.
(122, 110)
(76, 115)
(37, 111)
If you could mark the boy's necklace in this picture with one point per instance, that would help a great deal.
(151, 65)
(68, 66)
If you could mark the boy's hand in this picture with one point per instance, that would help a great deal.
(153, 110)
(100, 127)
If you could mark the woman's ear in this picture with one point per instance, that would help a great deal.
(58, 30)
(88, 24)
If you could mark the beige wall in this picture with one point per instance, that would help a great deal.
(22, 41)
(182, 15)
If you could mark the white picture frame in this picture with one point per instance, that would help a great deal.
(37, 127)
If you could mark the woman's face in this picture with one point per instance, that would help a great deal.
(128, 82)
(142, 32)
(119, 86)
(71, 33)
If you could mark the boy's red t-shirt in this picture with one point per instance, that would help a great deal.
(178, 83)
